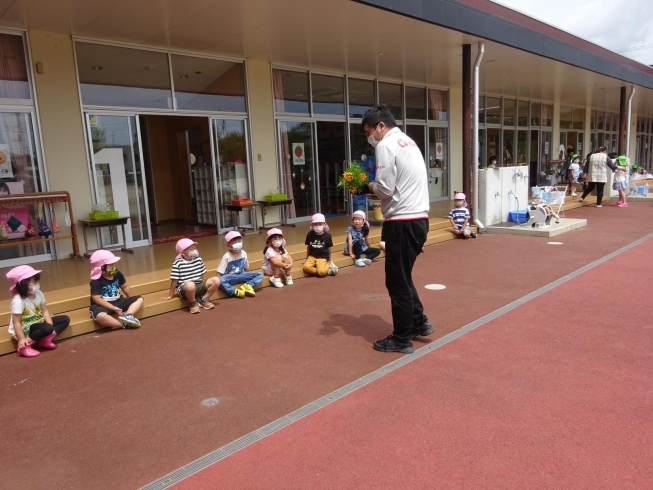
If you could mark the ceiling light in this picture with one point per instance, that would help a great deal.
(381, 53)
(149, 67)
(184, 77)
(97, 68)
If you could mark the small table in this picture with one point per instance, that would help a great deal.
(237, 208)
(101, 223)
(267, 204)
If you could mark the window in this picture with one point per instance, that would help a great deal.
(123, 77)
(14, 82)
(204, 84)
(438, 164)
(415, 103)
(536, 107)
(439, 106)
(481, 109)
(508, 147)
(566, 114)
(390, 95)
(361, 96)
(509, 112)
(291, 92)
(593, 120)
(547, 115)
(578, 118)
(522, 113)
(493, 110)
(328, 95)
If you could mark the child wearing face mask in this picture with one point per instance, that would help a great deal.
(107, 284)
(358, 242)
(460, 216)
(31, 324)
(277, 261)
(186, 277)
(233, 269)
(318, 249)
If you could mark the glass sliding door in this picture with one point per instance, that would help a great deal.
(298, 168)
(332, 155)
(231, 170)
(438, 164)
(117, 168)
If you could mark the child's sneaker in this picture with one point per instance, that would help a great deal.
(248, 290)
(472, 234)
(129, 321)
(238, 293)
(366, 261)
(194, 307)
(333, 268)
(206, 304)
(289, 281)
(574, 194)
(359, 263)
(276, 282)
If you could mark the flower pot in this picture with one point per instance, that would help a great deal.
(376, 207)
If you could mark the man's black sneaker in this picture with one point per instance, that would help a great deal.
(423, 330)
(392, 344)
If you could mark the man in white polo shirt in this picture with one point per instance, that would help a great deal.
(402, 185)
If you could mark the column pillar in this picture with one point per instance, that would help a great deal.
(467, 120)
(623, 119)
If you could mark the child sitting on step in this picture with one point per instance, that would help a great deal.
(460, 216)
(186, 277)
(358, 242)
(318, 249)
(277, 261)
(233, 269)
(107, 282)
(30, 323)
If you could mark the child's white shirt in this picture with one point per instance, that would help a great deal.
(232, 263)
(269, 253)
(620, 174)
(574, 167)
(27, 310)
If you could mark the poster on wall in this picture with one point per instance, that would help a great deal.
(546, 147)
(5, 163)
(298, 156)
(439, 151)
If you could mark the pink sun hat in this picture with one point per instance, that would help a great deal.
(231, 235)
(361, 215)
(276, 231)
(183, 244)
(461, 197)
(17, 274)
(319, 218)
(99, 259)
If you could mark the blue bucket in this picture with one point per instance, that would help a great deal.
(520, 216)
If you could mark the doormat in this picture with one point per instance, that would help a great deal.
(167, 239)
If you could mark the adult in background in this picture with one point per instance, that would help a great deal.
(402, 186)
(597, 174)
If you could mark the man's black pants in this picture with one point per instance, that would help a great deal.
(403, 243)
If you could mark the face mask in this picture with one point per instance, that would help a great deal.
(111, 271)
(371, 140)
(318, 229)
(459, 204)
(193, 254)
(36, 287)
(276, 244)
(237, 246)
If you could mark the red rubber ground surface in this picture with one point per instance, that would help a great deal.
(533, 399)
(121, 409)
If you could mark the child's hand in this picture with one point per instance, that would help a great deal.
(166, 298)
(118, 311)
(352, 256)
(22, 342)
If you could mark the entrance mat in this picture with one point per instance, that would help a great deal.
(174, 238)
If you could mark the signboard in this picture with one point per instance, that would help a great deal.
(298, 155)
(5, 163)
(546, 147)
(439, 151)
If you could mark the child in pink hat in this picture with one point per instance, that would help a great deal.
(358, 241)
(31, 324)
(459, 217)
(277, 261)
(233, 269)
(186, 278)
(107, 287)
(318, 249)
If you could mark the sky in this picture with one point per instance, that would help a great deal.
(613, 24)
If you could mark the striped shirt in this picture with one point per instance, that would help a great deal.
(458, 215)
(185, 271)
